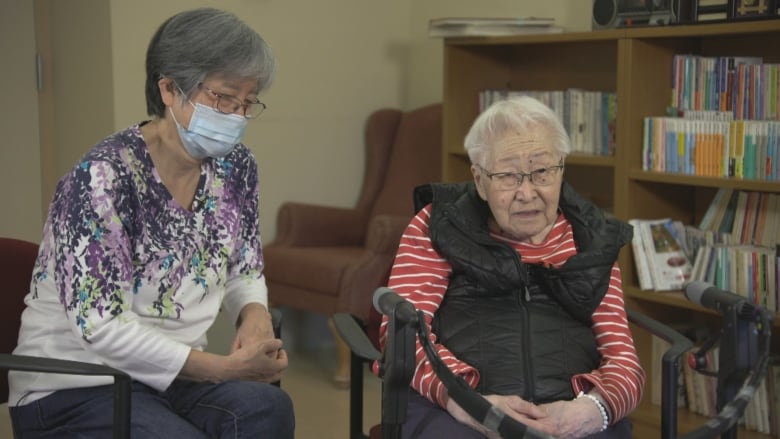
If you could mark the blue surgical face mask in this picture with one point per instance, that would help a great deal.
(211, 133)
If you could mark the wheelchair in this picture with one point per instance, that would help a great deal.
(744, 358)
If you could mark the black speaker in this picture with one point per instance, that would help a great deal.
(604, 14)
(608, 14)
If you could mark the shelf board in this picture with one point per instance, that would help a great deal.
(688, 30)
(692, 180)
(590, 160)
(676, 299)
(705, 29)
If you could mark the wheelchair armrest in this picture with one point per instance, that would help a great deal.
(669, 367)
(680, 343)
(355, 337)
(276, 321)
(51, 365)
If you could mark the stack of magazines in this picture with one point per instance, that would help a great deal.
(490, 27)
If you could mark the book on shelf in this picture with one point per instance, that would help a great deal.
(462, 26)
(711, 10)
(743, 85)
(589, 117)
(741, 149)
(744, 217)
(640, 257)
(736, 246)
(705, 16)
(661, 253)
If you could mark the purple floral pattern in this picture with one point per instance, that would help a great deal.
(116, 241)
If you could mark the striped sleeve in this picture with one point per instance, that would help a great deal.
(620, 378)
(421, 275)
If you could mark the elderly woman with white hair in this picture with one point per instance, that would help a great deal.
(518, 280)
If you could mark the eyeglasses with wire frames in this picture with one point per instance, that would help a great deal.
(228, 104)
(511, 180)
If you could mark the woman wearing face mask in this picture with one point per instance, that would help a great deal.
(148, 236)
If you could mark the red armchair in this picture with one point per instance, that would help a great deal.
(329, 260)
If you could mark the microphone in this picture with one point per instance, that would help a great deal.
(389, 303)
(710, 296)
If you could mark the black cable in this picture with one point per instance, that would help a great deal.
(469, 400)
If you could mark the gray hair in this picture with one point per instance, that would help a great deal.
(513, 115)
(194, 44)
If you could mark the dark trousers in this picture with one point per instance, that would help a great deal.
(232, 409)
(426, 420)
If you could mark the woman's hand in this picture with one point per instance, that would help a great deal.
(260, 361)
(254, 326)
(257, 361)
(571, 419)
(513, 406)
(258, 353)
(562, 419)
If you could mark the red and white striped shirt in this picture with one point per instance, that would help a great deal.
(421, 275)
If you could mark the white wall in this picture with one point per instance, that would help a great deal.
(83, 102)
(20, 173)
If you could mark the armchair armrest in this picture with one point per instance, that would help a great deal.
(384, 233)
(371, 271)
(51, 365)
(309, 225)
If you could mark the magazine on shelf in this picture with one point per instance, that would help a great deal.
(640, 257)
(461, 27)
(667, 262)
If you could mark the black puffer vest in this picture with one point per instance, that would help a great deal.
(519, 323)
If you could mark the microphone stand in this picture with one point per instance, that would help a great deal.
(743, 362)
(738, 354)
(397, 366)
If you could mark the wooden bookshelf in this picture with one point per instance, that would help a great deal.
(635, 63)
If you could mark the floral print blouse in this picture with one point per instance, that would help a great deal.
(127, 277)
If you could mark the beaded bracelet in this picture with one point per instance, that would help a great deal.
(601, 407)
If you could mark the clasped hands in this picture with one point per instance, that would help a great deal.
(257, 353)
(563, 419)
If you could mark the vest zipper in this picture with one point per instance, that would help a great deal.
(526, 342)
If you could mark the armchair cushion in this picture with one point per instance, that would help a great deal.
(324, 266)
(309, 225)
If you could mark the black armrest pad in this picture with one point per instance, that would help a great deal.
(51, 365)
(680, 343)
(276, 321)
(355, 337)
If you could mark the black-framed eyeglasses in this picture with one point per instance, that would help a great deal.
(511, 180)
(228, 104)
